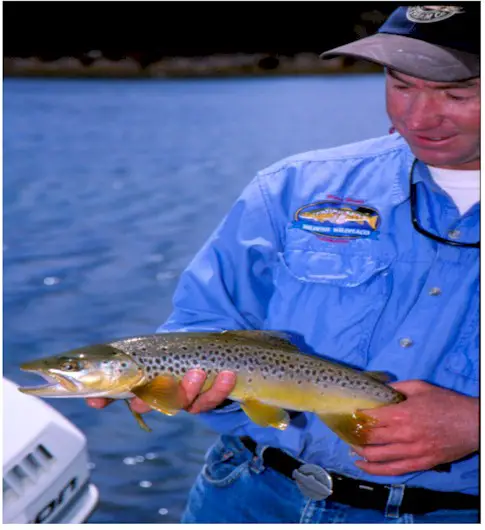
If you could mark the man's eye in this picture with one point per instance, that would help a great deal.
(456, 97)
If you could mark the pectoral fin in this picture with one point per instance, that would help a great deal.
(351, 427)
(266, 415)
(162, 393)
(138, 418)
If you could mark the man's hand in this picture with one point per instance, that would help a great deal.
(432, 426)
(191, 386)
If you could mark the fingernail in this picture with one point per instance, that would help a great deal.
(195, 377)
(227, 377)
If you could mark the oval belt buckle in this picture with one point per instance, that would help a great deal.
(313, 481)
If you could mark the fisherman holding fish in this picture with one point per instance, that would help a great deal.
(365, 254)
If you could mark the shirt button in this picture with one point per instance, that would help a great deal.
(454, 234)
(406, 343)
(434, 291)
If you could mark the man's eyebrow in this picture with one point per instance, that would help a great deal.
(442, 86)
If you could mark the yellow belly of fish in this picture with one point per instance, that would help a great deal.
(292, 396)
(266, 403)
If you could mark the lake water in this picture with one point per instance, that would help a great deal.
(110, 187)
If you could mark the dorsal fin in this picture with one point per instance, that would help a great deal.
(382, 377)
(277, 338)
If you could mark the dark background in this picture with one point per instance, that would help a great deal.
(149, 31)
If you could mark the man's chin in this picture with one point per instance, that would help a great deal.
(444, 160)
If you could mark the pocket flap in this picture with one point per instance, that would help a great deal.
(343, 269)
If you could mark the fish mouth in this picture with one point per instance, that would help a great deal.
(56, 384)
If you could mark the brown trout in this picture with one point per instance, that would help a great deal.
(273, 376)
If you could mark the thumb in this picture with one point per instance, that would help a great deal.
(413, 386)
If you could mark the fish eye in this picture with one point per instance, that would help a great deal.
(71, 366)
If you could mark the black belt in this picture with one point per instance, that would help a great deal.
(363, 494)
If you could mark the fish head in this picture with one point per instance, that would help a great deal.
(94, 371)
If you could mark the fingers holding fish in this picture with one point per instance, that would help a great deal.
(396, 467)
(139, 406)
(388, 452)
(384, 435)
(433, 426)
(214, 396)
(98, 403)
(192, 384)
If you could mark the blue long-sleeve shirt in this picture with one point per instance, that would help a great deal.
(321, 245)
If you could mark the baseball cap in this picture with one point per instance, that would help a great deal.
(435, 42)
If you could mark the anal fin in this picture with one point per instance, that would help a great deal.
(162, 393)
(351, 427)
(266, 415)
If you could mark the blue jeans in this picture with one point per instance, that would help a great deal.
(235, 487)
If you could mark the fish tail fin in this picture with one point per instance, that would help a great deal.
(351, 427)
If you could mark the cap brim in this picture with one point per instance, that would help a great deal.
(412, 57)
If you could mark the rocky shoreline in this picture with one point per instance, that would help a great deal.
(94, 65)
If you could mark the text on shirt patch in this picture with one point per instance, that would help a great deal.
(338, 220)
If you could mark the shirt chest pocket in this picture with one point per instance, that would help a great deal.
(333, 292)
(348, 264)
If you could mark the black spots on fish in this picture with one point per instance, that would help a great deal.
(185, 348)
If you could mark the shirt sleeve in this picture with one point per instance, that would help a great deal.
(228, 284)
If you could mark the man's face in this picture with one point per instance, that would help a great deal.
(440, 121)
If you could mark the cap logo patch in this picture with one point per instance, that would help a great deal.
(426, 14)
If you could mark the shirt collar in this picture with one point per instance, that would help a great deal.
(421, 173)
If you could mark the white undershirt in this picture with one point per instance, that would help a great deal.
(463, 186)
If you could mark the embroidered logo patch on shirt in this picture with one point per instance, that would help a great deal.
(338, 220)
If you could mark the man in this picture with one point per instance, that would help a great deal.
(386, 278)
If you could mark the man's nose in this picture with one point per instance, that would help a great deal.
(423, 112)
